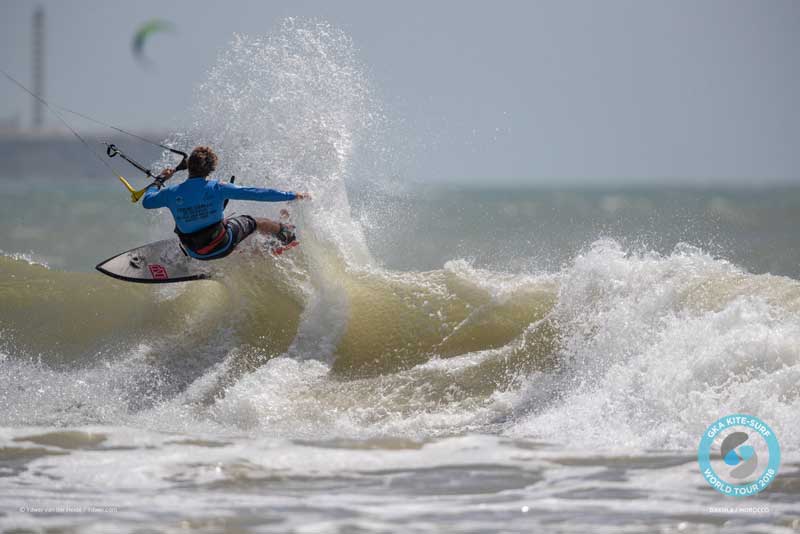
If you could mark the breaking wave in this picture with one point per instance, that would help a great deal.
(656, 344)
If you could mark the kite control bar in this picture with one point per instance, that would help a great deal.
(113, 151)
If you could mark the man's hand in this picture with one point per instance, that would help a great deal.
(302, 196)
(165, 175)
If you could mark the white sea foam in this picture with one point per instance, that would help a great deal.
(656, 348)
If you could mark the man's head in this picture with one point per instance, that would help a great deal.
(202, 161)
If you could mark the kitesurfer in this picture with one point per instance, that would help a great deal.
(197, 205)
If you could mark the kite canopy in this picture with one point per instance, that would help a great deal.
(144, 32)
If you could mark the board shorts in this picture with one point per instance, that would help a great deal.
(239, 228)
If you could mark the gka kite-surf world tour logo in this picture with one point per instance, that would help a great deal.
(739, 455)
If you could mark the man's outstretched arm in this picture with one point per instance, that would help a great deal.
(235, 192)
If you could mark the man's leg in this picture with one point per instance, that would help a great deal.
(284, 232)
(267, 226)
(242, 226)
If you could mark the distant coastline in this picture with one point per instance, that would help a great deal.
(53, 152)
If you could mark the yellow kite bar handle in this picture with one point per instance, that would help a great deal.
(135, 195)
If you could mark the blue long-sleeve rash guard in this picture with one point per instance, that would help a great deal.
(197, 203)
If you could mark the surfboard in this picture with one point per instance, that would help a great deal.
(164, 262)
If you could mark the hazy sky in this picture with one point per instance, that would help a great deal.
(524, 92)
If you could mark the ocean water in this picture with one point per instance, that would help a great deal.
(430, 359)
